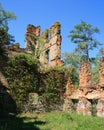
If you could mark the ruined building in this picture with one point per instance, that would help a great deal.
(46, 46)
(88, 99)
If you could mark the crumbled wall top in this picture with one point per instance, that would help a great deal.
(47, 44)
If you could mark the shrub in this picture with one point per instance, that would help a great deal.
(22, 76)
(53, 88)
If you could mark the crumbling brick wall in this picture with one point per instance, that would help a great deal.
(85, 74)
(89, 97)
(84, 106)
(47, 46)
(68, 104)
(100, 107)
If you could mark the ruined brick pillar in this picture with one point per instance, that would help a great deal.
(46, 49)
(55, 42)
(33, 29)
(101, 72)
(84, 106)
(68, 104)
(69, 88)
(85, 74)
(100, 108)
(32, 33)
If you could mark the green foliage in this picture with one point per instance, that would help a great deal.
(83, 36)
(74, 76)
(22, 77)
(52, 87)
(36, 44)
(55, 28)
(4, 17)
(72, 63)
(5, 37)
(95, 74)
(31, 38)
(102, 52)
(71, 59)
(95, 68)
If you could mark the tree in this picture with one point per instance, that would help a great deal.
(4, 17)
(71, 59)
(83, 36)
(72, 63)
(95, 68)
(101, 52)
(5, 37)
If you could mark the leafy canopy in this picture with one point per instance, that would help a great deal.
(5, 37)
(4, 17)
(83, 36)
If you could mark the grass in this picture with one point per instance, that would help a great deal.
(52, 121)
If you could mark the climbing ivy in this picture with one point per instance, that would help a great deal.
(53, 88)
(22, 76)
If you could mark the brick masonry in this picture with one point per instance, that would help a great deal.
(47, 44)
(89, 97)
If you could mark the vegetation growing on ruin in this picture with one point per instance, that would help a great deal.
(56, 29)
(24, 76)
(53, 88)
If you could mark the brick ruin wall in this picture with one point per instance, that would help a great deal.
(88, 99)
(46, 47)
(47, 44)
(48, 50)
(85, 74)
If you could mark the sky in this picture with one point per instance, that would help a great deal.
(46, 12)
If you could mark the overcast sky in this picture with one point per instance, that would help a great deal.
(47, 12)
